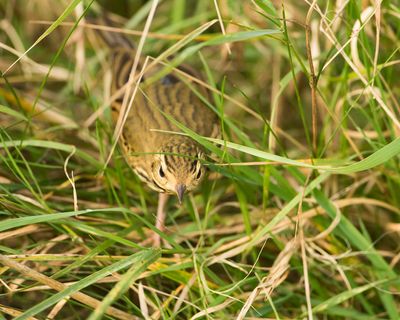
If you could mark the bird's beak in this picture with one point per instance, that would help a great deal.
(180, 191)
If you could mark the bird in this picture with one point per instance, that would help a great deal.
(167, 163)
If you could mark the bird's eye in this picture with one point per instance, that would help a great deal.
(161, 172)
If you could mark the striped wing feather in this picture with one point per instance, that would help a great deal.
(170, 95)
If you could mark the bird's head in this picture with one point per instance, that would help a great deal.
(177, 167)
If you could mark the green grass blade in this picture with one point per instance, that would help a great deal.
(126, 281)
(50, 145)
(19, 222)
(377, 158)
(341, 297)
(68, 10)
(13, 113)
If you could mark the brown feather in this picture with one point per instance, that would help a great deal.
(141, 138)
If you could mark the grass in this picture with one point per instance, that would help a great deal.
(300, 216)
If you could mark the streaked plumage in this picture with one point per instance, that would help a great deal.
(165, 162)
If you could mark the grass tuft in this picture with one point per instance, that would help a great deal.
(300, 215)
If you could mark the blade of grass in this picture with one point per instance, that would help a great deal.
(377, 158)
(68, 10)
(50, 145)
(138, 267)
(341, 297)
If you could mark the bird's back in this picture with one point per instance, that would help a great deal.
(153, 104)
(152, 108)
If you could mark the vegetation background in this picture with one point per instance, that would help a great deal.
(300, 217)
